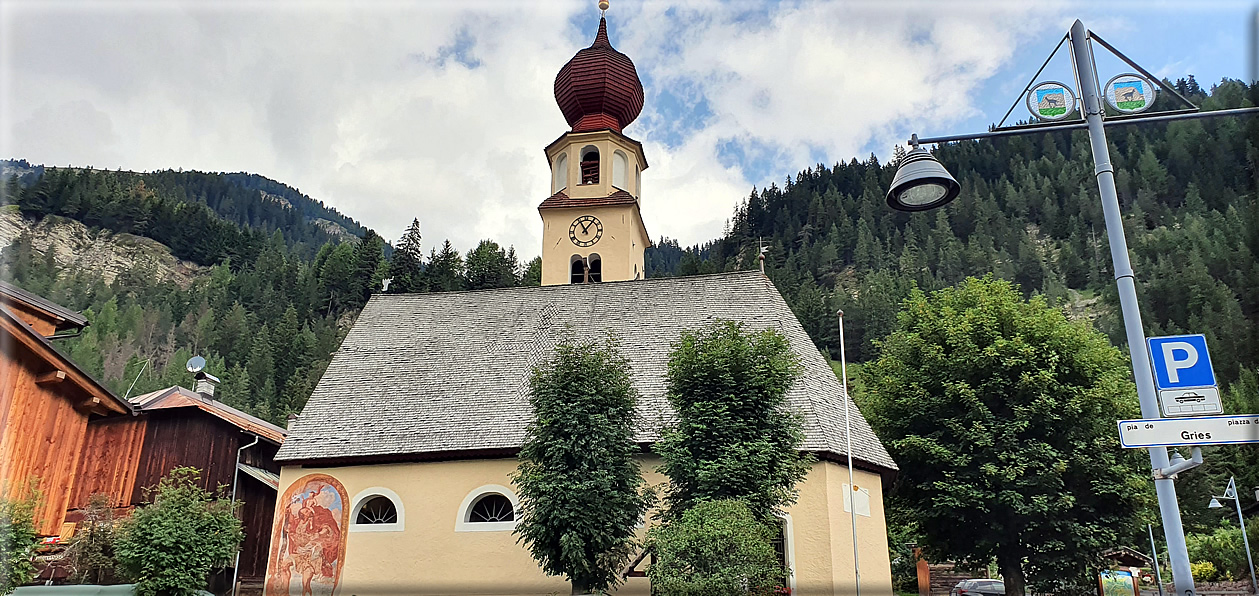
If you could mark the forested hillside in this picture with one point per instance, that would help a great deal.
(272, 305)
(1029, 212)
(284, 276)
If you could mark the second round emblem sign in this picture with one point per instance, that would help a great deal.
(1130, 93)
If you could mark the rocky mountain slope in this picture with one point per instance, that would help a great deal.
(97, 253)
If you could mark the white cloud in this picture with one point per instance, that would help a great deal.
(440, 111)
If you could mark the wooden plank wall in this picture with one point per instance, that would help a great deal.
(257, 512)
(111, 456)
(42, 434)
(183, 438)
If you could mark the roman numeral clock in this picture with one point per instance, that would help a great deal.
(585, 231)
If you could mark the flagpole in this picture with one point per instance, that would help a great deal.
(852, 498)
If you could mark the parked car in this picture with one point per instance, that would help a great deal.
(979, 587)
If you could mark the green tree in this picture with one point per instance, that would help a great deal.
(489, 266)
(171, 545)
(580, 487)
(1000, 414)
(532, 275)
(368, 255)
(405, 267)
(445, 270)
(717, 548)
(734, 437)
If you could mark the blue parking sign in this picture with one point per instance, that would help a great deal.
(1181, 361)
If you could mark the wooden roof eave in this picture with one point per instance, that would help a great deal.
(99, 399)
(64, 317)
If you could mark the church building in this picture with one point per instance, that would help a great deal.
(396, 478)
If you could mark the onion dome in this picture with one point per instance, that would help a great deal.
(599, 87)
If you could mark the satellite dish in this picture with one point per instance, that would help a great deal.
(196, 364)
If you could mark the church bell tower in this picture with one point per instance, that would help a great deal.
(592, 228)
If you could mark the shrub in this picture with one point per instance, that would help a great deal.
(17, 540)
(1223, 549)
(170, 546)
(1204, 571)
(716, 548)
(91, 553)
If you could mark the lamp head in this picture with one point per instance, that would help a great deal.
(1215, 503)
(921, 183)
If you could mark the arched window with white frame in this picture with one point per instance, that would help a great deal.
(620, 170)
(377, 509)
(559, 174)
(490, 508)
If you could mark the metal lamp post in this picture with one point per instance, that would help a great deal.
(1231, 493)
(922, 183)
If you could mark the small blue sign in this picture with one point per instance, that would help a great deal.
(1181, 361)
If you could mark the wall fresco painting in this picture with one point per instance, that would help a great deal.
(308, 539)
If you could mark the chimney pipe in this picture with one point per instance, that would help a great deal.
(206, 383)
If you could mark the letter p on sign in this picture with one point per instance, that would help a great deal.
(1188, 356)
(1181, 361)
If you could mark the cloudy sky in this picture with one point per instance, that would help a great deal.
(440, 110)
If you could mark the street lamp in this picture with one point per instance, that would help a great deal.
(1231, 493)
(921, 183)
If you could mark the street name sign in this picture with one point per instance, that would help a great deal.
(1181, 362)
(1202, 401)
(1201, 430)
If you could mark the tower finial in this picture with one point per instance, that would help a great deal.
(603, 7)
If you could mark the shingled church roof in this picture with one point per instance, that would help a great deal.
(443, 375)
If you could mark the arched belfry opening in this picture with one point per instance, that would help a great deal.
(585, 270)
(589, 164)
(578, 270)
(594, 269)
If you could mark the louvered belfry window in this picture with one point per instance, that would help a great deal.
(590, 168)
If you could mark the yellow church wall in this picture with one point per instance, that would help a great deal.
(620, 249)
(876, 570)
(431, 555)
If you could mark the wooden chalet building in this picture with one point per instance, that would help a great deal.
(176, 427)
(46, 404)
(65, 432)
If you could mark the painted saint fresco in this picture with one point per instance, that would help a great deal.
(308, 540)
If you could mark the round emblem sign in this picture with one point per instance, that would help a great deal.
(1051, 101)
(1130, 93)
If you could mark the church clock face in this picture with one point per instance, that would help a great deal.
(585, 231)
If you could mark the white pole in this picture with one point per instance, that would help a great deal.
(1241, 521)
(852, 498)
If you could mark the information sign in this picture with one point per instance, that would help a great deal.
(1203, 430)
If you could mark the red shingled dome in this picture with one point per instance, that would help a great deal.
(599, 87)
